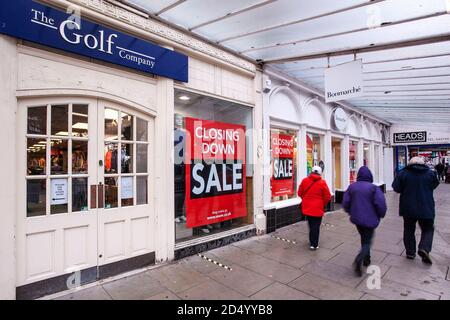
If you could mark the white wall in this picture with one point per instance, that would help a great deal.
(8, 74)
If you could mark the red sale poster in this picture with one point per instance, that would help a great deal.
(215, 172)
(282, 180)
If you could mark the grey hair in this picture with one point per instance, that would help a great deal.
(417, 160)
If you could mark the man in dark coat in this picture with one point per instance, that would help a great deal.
(366, 205)
(416, 184)
(440, 170)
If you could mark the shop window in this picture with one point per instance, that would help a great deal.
(57, 156)
(283, 150)
(125, 159)
(353, 155)
(314, 152)
(212, 165)
(366, 155)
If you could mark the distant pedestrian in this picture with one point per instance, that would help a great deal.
(440, 167)
(416, 184)
(315, 195)
(366, 205)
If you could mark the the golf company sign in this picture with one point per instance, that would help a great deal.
(344, 81)
(32, 21)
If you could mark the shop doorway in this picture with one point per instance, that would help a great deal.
(337, 163)
(85, 179)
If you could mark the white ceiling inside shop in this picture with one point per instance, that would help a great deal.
(404, 45)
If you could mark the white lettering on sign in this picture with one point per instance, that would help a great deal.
(207, 180)
(70, 31)
(404, 137)
(340, 119)
(282, 169)
(344, 81)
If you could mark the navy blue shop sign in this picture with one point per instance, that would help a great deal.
(32, 21)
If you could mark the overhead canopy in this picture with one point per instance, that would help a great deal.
(404, 45)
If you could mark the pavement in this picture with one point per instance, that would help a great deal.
(280, 266)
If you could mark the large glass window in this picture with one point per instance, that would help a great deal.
(57, 156)
(125, 159)
(353, 156)
(314, 152)
(283, 150)
(366, 155)
(212, 165)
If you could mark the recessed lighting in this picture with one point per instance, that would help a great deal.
(184, 98)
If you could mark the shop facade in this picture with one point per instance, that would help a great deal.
(433, 144)
(335, 137)
(122, 158)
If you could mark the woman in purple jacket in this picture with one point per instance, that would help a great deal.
(366, 205)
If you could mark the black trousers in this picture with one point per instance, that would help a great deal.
(314, 230)
(366, 242)
(426, 237)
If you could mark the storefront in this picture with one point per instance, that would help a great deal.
(337, 138)
(95, 119)
(431, 144)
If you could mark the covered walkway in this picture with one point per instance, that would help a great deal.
(267, 267)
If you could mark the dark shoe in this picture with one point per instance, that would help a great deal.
(410, 257)
(357, 267)
(425, 257)
(367, 262)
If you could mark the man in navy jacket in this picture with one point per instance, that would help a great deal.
(416, 184)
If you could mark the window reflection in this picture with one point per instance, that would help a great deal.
(79, 157)
(79, 194)
(36, 153)
(111, 124)
(60, 118)
(80, 120)
(111, 191)
(37, 120)
(141, 130)
(36, 198)
(141, 190)
(127, 158)
(111, 157)
(59, 155)
(127, 127)
(141, 158)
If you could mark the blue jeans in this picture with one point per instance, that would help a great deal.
(366, 242)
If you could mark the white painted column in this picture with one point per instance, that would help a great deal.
(345, 156)
(360, 152)
(372, 157)
(302, 155)
(258, 157)
(328, 159)
(164, 172)
(381, 162)
(8, 103)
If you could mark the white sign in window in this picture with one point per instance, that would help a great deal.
(344, 81)
(127, 188)
(59, 193)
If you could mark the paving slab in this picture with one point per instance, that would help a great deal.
(165, 295)
(275, 270)
(211, 290)
(177, 277)
(289, 257)
(137, 287)
(93, 293)
(242, 280)
(426, 280)
(324, 289)
(277, 291)
(392, 290)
